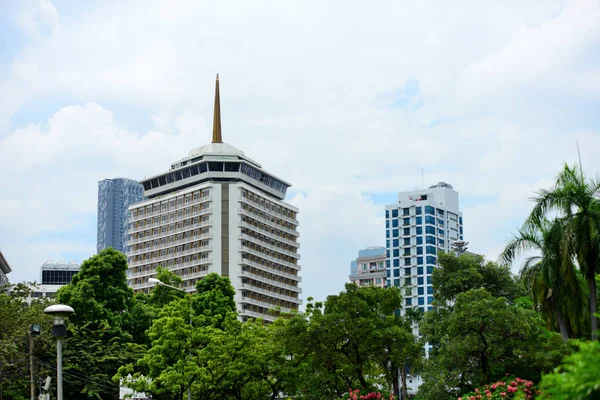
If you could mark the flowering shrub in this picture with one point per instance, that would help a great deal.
(508, 388)
(356, 395)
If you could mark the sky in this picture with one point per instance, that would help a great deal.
(350, 101)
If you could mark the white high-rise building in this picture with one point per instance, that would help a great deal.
(218, 211)
(420, 225)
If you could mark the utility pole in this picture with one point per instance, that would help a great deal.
(33, 330)
(31, 367)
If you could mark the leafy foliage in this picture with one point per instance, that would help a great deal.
(578, 377)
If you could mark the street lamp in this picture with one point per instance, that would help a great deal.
(59, 331)
(158, 282)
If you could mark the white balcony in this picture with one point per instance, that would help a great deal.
(175, 267)
(268, 233)
(268, 258)
(269, 269)
(269, 246)
(263, 279)
(263, 304)
(143, 227)
(268, 210)
(267, 221)
(160, 235)
(254, 314)
(141, 216)
(271, 293)
(171, 256)
(167, 245)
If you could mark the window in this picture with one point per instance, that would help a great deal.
(405, 211)
(429, 299)
(407, 271)
(419, 250)
(419, 230)
(429, 220)
(441, 242)
(429, 289)
(430, 239)
(430, 230)
(394, 213)
(396, 262)
(388, 283)
(408, 302)
(407, 261)
(396, 243)
(387, 273)
(419, 280)
(396, 272)
(387, 243)
(419, 260)
(406, 221)
(394, 223)
(460, 220)
(420, 290)
(387, 213)
(387, 233)
(407, 241)
(407, 252)
(387, 263)
(419, 220)
(387, 253)
(396, 282)
(396, 253)
(440, 212)
(429, 280)
(419, 210)
(421, 301)
(406, 231)
(430, 250)
(460, 230)
(419, 239)
(430, 260)
(430, 269)
(440, 222)
(419, 270)
(407, 281)
(441, 232)
(395, 233)
(429, 210)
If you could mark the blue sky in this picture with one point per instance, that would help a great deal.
(348, 102)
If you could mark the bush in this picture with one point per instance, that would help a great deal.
(356, 395)
(508, 388)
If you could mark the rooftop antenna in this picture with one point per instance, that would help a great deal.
(579, 156)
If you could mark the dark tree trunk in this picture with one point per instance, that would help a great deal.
(591, 278)
(404, 388)
(562, 326)
(395, 383)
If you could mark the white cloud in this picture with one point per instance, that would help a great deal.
(298, 84)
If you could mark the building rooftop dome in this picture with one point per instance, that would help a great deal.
(215, 148)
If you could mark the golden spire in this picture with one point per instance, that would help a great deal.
(217, 136)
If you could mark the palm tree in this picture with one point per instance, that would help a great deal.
(575, 197)
(551, 279)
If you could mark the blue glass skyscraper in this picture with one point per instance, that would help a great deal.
(114, 198)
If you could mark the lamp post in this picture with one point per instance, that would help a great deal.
(161, 283)
(59, 331)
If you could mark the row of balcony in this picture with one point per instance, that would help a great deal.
(267, 221)
(170, 256)
(270, 270)
(179, 242)
(254, 314)
(174, 267)
(256, 205)
(270, 246)
(271, 293)
(193, 214)
(159, 235)
(268, 257)
(141, 216)
(264, 304)
(269, 281)
(265, 232)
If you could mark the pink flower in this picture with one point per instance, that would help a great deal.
(503, 394)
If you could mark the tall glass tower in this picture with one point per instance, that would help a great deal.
(114, 198)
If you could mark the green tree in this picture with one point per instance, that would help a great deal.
(553, 282)
(103, 327)
(576, 199)
(578, 377)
